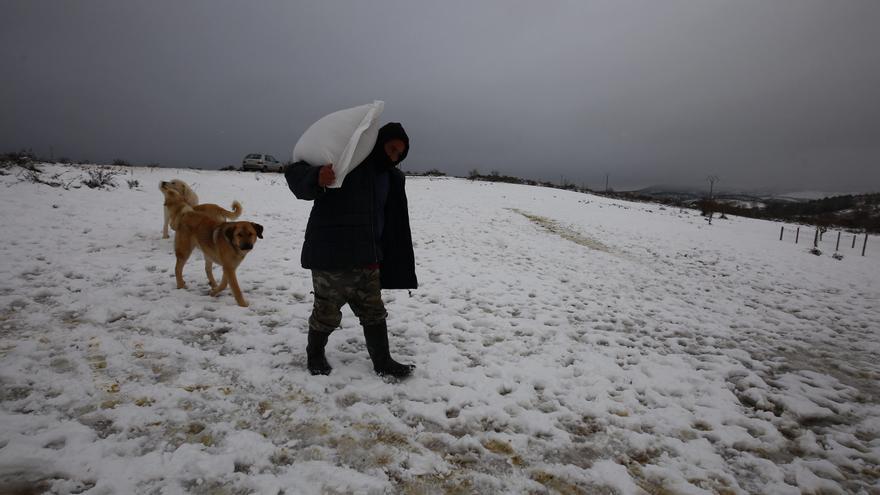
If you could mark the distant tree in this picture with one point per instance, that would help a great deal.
(119, 162)
(473, 174)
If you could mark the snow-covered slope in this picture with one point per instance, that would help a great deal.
(564, 343)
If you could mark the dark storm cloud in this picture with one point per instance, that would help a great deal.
(763, 94)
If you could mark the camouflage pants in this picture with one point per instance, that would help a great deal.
(359, 287)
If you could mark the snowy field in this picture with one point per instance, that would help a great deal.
(565, 343)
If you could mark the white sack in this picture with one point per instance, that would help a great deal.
(343, 138)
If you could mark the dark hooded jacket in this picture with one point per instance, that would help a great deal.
(342, 229)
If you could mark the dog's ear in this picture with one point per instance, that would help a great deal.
(229, 232)
(259, 229)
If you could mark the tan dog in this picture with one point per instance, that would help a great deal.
(223, 243)
(175, 206)
(184, 191)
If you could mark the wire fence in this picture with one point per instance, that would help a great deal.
(819, 233)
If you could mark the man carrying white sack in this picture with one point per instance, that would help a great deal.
(357, 242)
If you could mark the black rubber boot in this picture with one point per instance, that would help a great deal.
(317, 363)
(377, 345)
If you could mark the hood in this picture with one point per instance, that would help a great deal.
(389, 131)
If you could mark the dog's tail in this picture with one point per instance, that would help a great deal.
(235, 213)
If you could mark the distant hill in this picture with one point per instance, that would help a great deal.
(809, 195)
(851, 211)
(859, 212)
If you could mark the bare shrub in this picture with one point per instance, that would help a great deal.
(119, 162)
(133, 183)
(5, 166)
(101, 178)
(35, 175)
(24, 159)
(32, 175)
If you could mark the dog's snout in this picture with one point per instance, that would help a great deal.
(246, 246)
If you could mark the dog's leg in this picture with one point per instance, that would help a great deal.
(229, 273)
(178, 271)
(183, 248)
(220, 287)
(165, 225)
(209, 271)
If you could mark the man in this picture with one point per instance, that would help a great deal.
(357, 242)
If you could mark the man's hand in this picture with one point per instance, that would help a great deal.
(326, 176)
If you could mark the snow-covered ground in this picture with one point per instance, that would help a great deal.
(565, 343)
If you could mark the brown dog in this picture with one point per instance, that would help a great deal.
(223, 243)
(184, 192)
(176, 205)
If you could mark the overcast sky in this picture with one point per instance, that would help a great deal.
(765, 94)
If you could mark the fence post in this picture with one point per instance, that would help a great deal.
(797, 235)
(854, 242)
(781, 230)
(838, 242)
(816, 239)
(865, 244)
